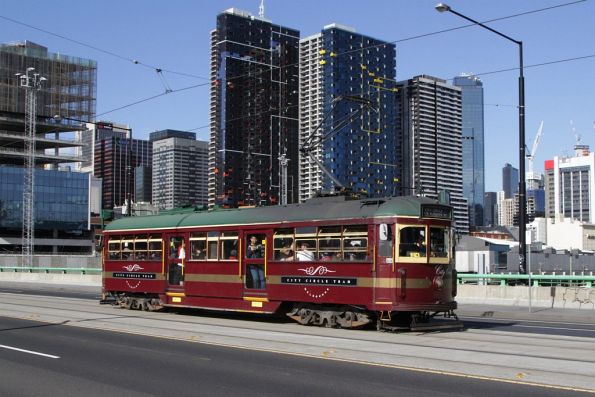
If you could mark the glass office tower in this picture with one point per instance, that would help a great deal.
(473, 146)
(360, 149)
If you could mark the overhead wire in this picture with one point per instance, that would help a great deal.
(107, 52)
(168, 89)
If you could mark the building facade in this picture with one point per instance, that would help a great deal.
(180, 169)
(348, 107)
(430, 127)
(571, 185)
(115, 162)
(143, 184)
(473, 146)
(510, 180)
(254, 110)
(61, 198)
(490, 213)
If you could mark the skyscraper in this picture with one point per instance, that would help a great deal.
(341, 70)
(510, 180)
(179, 169)
(254, 110)
(429, 123)
(473, 146)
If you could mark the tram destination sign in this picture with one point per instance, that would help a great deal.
(143, 276)
(436, 211)
(349, 282)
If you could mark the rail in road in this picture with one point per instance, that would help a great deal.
(486, 353)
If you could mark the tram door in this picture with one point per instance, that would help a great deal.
(385, 279)
(177, 254)
(255, 253)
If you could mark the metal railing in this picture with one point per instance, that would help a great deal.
(49, 270)
(538, 280)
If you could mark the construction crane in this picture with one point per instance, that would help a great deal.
(532, 177)
(316, 139)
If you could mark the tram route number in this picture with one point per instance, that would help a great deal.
(319, 280)
(144, 276)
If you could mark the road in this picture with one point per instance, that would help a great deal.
(70, 361)
(503, 355)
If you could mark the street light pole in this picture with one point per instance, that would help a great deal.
(441, 7)
(32, 84)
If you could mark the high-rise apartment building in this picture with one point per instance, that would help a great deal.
(115, 162)
(61, 198)
(430, 127)
(510, 180)
(254, 110)
(473, 146)
(180, 169)
(570, 182)
(339, 69)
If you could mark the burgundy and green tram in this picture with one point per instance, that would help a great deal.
(331, 261)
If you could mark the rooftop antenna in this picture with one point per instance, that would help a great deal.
(261, 9)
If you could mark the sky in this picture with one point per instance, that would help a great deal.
(174, 36)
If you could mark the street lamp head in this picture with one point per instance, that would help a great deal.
(441, 7)
(30, 69)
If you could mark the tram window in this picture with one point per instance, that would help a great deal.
(229, 245)
(306, 230)
(306, 250)
(385, 240)
(355, 248)
(412, 241)
(140, 247)
(212, 250)
(439, 242)
(283, 245)
(355, 230)
(128, 248)
(198, 249)
(113, 248)
(330, 248)
(198, 246)
(329, 230)
(154, 248)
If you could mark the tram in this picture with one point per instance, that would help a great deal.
(331, 261)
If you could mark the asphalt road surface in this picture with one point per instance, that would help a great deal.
(59, 360)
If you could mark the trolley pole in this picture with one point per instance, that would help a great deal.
(32, 84)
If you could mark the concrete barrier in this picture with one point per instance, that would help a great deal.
(546, 297)
(554, 297)
(53, 278)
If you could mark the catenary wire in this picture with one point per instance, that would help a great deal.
(107, 52)
(289, 65)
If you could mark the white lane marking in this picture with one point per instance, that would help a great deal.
(560, 328)
(28, 351)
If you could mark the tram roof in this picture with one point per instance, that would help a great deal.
(320, 208)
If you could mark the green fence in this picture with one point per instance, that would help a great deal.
(523, 279)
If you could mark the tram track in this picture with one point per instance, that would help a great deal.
(473, 347)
